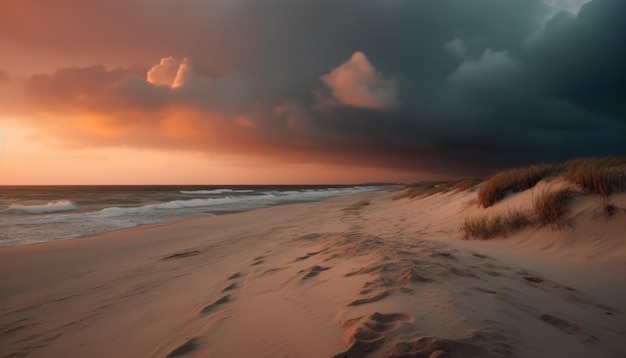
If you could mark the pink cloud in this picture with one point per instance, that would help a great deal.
(356, 83)
(173, 104)
(166, 72)
(176, 105)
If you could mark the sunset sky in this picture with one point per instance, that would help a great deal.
(304, 91)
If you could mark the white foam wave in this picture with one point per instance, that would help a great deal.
(185, 204)
(215, 191)
(85, 222)
(50, 207)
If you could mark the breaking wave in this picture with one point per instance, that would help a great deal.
(215, 191)
(50, 207)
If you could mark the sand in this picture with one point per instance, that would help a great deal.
(355, 276)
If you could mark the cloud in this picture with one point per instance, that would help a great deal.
(166, 73)
(580, 57)
(495, 79)
(356, 83)
(456, 47)
(95, 106)
(453, 87)
(571, 6)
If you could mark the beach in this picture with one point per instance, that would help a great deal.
(366, 275)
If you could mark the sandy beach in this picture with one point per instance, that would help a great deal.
(367, 275)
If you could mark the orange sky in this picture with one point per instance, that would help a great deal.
(143, 116)
(25, 160)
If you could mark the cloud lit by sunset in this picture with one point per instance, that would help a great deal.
(306, 91)
(356, 83)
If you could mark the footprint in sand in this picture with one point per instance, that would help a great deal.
(307, 274)
(181, 255)
(234, 276)
(226, 298)
(533, 279)
(308, 255)
(446, 255)
(215, 304)
(529, 277)
(312, 272)
(484, 290)
(230, 287)
(568, 327)
(369, 333)
(258, 260)
(185, 348)
(373, 296)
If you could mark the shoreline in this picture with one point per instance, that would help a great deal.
(364, 275)
(175, 221)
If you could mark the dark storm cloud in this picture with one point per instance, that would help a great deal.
(450, 86)
(582, 57)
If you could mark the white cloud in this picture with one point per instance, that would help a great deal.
(356, 83)
(165, 73)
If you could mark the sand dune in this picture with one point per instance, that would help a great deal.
(357, 276)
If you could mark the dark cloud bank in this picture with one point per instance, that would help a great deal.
(476, 85)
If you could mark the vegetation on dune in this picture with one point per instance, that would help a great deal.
(602, 176)
(551, 206)
(465, 184)
(496, 187)
(431, 188)
(609, 209)
(488, 227)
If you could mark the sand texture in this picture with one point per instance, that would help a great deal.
(356, 276)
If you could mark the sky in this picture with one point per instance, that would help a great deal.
(305, 91)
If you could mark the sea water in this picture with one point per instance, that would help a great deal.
(33, 214)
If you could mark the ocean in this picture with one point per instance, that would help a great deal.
(34, 214)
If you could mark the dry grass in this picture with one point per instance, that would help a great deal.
(602, 176)
(515, 180)
(551, 206)
(465, 184)
(484, 227)
(423, 189)
(609, 210)
(431, 188)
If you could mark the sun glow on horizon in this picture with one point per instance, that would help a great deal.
(31, 160)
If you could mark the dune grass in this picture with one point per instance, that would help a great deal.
(602, 176)
(465, 184)
(488, 227)
(609, 209)
(550, 207)
(431, 188)
(514, 180)
(423, 189)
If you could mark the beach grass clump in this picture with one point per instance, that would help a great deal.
(514, 180)
(609, 209)
(465, 184)
(602, 176)
(488, 227)
(550, 206)
(423, 189)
